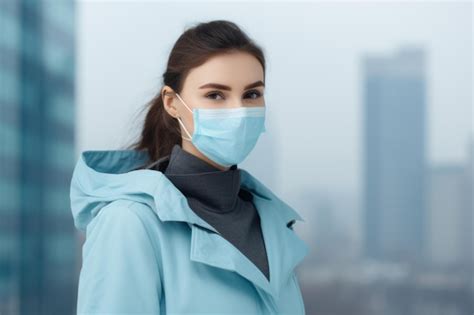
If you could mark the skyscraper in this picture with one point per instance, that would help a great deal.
(37, 240)
(448, 215)
(468, 220)
(394, 163)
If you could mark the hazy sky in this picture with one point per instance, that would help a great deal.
(313, 93)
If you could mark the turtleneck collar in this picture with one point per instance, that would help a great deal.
(183, 162)
(214, 189)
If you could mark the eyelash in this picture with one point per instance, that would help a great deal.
(218, 93)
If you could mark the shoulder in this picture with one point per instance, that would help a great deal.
(122, 223)
(124, 214)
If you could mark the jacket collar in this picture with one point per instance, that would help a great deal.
(96, 171)
(103, 176)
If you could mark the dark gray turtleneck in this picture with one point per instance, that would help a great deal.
(216, 196)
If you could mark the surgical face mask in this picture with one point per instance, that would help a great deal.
(226, 135)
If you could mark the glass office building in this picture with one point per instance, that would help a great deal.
(395, 155)
(38, 249)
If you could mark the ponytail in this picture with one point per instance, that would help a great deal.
(160, 131)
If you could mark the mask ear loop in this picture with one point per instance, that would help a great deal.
(190, 138)
(182, 124)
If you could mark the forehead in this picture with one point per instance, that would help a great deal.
(236, 70)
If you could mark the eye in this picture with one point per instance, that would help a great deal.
(214, 93)
(256, 93)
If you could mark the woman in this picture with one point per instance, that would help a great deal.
(172, 225)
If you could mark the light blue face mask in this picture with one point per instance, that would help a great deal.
(226, 135)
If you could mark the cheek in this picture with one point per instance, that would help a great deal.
(191, 123)
(188, 121)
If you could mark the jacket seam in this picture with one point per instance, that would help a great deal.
(157, 259)
(133, 209)
(300, 297)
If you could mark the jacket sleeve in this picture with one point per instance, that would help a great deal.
(120, 273)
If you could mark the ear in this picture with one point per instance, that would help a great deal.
(167, 95)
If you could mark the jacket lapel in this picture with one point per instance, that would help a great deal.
(284, 248)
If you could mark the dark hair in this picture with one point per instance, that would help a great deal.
(160, 131)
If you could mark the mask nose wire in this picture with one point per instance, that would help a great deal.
(179, 119)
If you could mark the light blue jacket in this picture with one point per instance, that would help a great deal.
(147, 252)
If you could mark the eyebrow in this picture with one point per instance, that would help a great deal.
(228, 88)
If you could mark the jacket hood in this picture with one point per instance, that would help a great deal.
(102, 176)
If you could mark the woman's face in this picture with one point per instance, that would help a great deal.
(223, 81)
